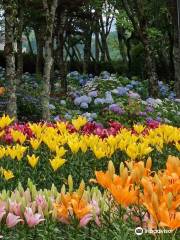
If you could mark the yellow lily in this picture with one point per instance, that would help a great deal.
(57, 162)
(5, 121)
(35, 143)
(8, 174)
(79, 122)
(32, 160)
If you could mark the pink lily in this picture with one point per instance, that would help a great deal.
(2, 212)
(85, 220)
(94, 215)
(12, 220)
(31, 218)
(41, 201)
(15, 208)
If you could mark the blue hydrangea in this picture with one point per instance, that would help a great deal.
(77, 101)
(68, 116)
(99, 101)
(108, 98)
(82, 99)
(129, 86)
(84, 105)
(93, 94)
(122, 91)
(134, 83)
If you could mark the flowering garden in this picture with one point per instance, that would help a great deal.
(89, 120)
(80, 179)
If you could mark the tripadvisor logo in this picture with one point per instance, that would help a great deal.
(139, 231)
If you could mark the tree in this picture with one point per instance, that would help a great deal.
(136, 11)
(10, 9)
(174, 8)
(50, 13)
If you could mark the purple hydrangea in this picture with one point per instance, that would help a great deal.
(143, 114)
(149, 109)
(116, 109)
(134, 95)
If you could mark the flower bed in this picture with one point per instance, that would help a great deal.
(75, 154)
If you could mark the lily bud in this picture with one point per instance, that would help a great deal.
(70, 183)
(63, 189)
(111, 169)
(20, 188)
(81, 189)
(149, 163)
(121, 168)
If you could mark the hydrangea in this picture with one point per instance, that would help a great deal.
(77, 101)
(172, 95)
(52, 107)
(86, 114)
(94, 115)
(143, 114)
(108, 98)
(129, 86)
(105, 75)
(86, 99)
(159, 119)
(83, 99)
(167, 120)
(68, 116)
(116, 109)
(134, 95)
(154, 102)
(134, 83)
(149, 109)
(122, 91)
(99, 101)
(57, 118)
(63, 102)
(84, 105)
(93, 94)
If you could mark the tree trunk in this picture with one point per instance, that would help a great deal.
(10, 18)
(39, 54)
(151, 70)
(174, 7)
(19, 46)
(128, 45)
(48, 58)
(87, 52)
(121, 41)
(140, 23)
(97, 47)
(61, 44)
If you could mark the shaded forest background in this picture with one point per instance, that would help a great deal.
(127, 37)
